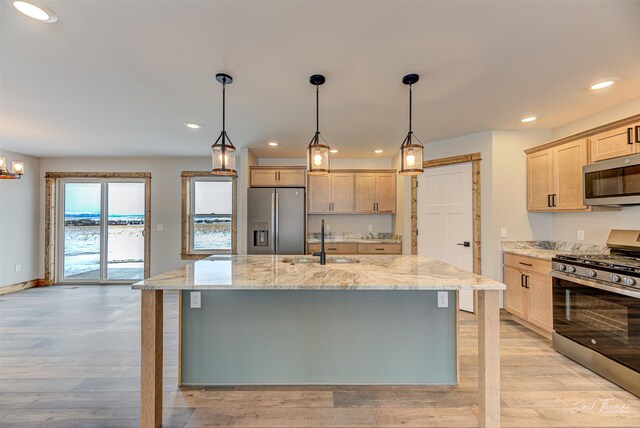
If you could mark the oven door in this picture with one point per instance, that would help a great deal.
(602, 320)
(612, 182)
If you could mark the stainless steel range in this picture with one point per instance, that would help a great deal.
(596, 309)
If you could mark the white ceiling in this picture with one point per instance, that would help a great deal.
(121, 77)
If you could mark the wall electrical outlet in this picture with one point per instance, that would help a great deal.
(580, 235)
(443, 299)
(327, 227)
(196, 299)
(370, 228)
(159, 227)
(18, 268)
(503, 232)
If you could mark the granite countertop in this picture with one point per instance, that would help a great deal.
(548, 249)
(377, 272)
(355, 238)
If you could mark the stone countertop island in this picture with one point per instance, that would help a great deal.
(274, 320)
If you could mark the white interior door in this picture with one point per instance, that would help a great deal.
(445, 219)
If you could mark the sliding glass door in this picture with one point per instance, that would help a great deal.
(102, 235)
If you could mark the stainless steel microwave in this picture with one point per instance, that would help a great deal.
(612, 182)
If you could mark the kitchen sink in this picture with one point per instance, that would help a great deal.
(302, 260)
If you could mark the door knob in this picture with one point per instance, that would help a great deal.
(464, 244)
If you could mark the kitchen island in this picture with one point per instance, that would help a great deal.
(274, 320)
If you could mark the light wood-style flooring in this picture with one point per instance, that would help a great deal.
(69, 357)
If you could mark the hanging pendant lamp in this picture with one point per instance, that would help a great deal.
(223, 153)
(317, 151)
(411, 149)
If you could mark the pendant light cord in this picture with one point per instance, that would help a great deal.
(317, 109)
(410, 107)
(224, 88)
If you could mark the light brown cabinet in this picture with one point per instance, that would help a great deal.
(331, 194)
(277, 177)
(353, 192)
(622, 141)
(529, 293)
(375, 193)
(554, 177)
(346, 248)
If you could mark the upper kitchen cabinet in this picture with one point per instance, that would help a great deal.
(621, 141)
(277, 176)
(353, 192)
(331, 194)
(376, 193)
(554, 177)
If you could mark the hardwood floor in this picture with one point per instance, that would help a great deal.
(69, 357)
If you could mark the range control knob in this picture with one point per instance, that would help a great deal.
(561, 266)
(591, 273)
(615, 278)
(571, 269)
(628, 281)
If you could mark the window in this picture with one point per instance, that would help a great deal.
(208, 214)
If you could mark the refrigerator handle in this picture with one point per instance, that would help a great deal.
(273, 222)
(277, 223)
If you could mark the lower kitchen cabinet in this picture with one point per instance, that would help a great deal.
(386, 248)
(529, 290)
(334, 248)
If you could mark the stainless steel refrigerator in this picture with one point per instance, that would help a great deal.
(275, 221)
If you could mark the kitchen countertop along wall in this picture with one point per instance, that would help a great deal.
(356, 238)
(548, 249)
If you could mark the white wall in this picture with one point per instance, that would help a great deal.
(509, 210)
(630, 108)
(596, 224)
(19, 222)
(166, 193)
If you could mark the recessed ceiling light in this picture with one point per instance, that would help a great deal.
(528, 119)
(603, 83)
(378, 151)
(35, 11)
(192, 125)
(272, 143)
(334, 150)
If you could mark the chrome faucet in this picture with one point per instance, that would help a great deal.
(321, 253)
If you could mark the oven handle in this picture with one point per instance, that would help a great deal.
(594, 284)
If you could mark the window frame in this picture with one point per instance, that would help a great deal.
(189, 178)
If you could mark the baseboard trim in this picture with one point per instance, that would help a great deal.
(13, 288)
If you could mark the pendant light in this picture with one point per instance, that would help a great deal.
(410, 150)
(223, 153)
(318, 151)
(17, 169)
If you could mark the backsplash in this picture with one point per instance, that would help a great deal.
(560, 246)
(355, 236)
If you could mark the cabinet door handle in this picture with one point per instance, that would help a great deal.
(549, 201)
(526, 281)
(521, 280)
(629, 132)
(553, 200)
(379, 249)
(332, 249)
(638, 134)
(525, 264)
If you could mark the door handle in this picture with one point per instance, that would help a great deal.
(526, 281)
(273, 222)
(638, 134)
(464, 244)
(521, 280)
(553, 200)
(629, 131)
(549, 201)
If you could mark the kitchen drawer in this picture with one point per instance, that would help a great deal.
(330, 248)
(525, 263)
(379, 249)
